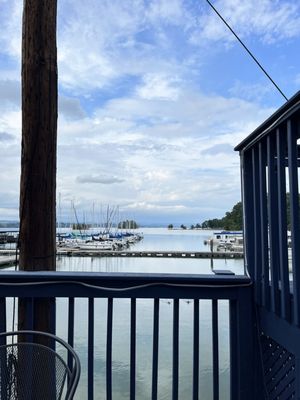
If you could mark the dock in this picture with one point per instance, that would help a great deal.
(148, 254)
(66, 251)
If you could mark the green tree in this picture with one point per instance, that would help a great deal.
(232, 220)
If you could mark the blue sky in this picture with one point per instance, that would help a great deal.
(153, 97)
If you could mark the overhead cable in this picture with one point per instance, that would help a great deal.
(248, 51)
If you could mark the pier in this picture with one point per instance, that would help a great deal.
(64, 251)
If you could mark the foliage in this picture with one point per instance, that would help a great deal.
(80, 227)
(232, 220)
(170, 226)
(128, 224)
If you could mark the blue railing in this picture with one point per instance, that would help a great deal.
(270, 188)
(236, 290)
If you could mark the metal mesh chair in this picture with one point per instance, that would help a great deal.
(32, 369)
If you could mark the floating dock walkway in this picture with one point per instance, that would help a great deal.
(146, 254)
(66, 251)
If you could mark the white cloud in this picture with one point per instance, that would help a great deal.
(104, 179)
(269, 20)
(11, 26)
(158, 87)
(136, 115)
(162, 166)
(70, 108)
(172, 12)
(10, 92)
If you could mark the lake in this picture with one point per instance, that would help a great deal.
(154, 239)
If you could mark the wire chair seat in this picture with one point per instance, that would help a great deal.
(31, 370)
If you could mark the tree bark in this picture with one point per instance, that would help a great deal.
(39, 141)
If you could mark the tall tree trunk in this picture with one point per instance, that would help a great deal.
(39, 142)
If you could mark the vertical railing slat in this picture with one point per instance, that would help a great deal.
(215, 338)
(196, 351)
(109, 349)
(257, 230)
(91, 349)
(175, 350)
(3, 360)
(234, 361)
(29, 313)
(282, 224)
(71, 310)
(132, 349)
(273, 222)
(3, 314)
(155, 348)
(264, 225)
(294, 205)
(243, 317)
(248, 211)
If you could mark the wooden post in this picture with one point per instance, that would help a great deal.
(39, 142)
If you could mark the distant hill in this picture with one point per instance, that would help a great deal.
(232, 221)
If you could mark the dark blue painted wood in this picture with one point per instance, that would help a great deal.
(281, 322)
(155, 348)
(52, 315)
(71, 310)
(273, 223)
(282, 223)
(91, 349)
(245, 347)
(264, 225)
(2, 314)
(132, 349)
(248, 211)
(294, 204)
(81, 284)
(29, 313)
(297, 380)
(234, 360)
(64, 285)
(196, 351)
(215, 342)
(175, 372)
(3, 392)
(257, 227)
(109, 349)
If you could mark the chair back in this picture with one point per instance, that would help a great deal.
(32, 368)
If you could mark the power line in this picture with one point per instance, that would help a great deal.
(248, 51)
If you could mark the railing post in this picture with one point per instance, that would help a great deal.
(245, 381)
(248, 210)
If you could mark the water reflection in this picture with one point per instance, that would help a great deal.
(144, 325)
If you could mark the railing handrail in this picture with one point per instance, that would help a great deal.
(83, 284)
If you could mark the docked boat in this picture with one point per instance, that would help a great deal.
(228, 240)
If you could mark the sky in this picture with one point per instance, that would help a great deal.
(153, 97)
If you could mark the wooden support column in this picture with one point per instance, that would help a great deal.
(39, 142)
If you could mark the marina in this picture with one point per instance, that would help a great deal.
(65, 251)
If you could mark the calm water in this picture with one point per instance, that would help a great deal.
(154, 239)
